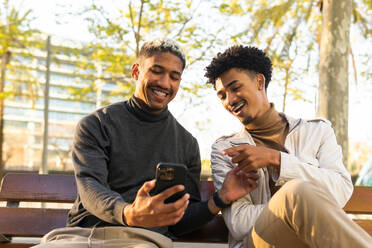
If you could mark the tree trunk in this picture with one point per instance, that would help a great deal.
(333, 68)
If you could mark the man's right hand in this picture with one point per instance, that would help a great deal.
(151, 211)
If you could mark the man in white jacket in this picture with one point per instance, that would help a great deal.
(302, 183)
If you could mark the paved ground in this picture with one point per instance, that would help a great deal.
(176, 245)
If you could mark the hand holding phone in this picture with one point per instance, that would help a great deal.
(168, 175)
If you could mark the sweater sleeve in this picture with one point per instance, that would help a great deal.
(90, 160)
(197, 213)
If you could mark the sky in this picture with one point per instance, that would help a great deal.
(213, 120)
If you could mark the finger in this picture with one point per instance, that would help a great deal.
(253, 184)
(180, 212)
(176, 216)
(234, 170)
(169, 192)
(232, 150)
(169, 219)
(248, 175)
(177, 205)
(253, 175)
(146, 187)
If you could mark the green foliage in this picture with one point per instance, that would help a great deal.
(119, 33)
(15, 29)
(16, 35)
(288, 31)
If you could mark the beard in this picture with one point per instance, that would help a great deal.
(247, 120)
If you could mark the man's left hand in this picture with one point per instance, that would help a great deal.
(237, 184)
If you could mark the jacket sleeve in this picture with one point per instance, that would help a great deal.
(243, 213)
(90, 160)
(314, 155)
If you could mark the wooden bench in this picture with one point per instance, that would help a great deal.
(16, 221)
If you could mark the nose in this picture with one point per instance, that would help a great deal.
(230, 99)
(164, 81)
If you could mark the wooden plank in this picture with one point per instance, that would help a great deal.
(215, 231)
(38, 188)
(31, 222)
(206, 190)
(366, 225)
(17, 245)
(361, 201)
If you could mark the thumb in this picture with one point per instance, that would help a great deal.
(146, 187)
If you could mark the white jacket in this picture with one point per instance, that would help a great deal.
(312, 155)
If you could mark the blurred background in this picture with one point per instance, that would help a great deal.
(61, 60)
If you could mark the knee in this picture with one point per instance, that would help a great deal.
(298, 189)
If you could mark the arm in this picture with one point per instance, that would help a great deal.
(242, 214)
(197, 213)
(90, 160)
(236, 185)
(324, 165)
(313, 154)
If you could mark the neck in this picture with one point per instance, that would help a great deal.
(135, 107)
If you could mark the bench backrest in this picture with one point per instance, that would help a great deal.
(361, 203)
(35, 222)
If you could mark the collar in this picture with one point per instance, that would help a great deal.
(133, 107)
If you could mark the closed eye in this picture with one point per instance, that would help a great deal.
(235, 89)
(156, 71)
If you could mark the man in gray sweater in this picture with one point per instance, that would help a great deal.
(116, 150)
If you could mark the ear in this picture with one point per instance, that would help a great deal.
(135, 71)
(261, 81)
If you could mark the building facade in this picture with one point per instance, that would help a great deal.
(24, 107)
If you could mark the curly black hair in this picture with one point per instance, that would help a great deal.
(241, 57)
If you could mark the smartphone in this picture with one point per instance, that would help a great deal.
(168, 175)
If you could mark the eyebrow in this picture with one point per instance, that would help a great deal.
(227, 86)
(162, 67)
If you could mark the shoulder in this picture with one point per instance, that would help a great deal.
(180, 130)
(101, 115)
(224, 142)
(314, 128)
(318, 122)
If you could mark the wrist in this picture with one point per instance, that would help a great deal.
(220, 200)
(126, 215)
(275, 159)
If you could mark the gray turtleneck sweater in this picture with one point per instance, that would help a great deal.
(116, 149)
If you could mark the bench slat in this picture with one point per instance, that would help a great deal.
(16, 245)
(360, 202)
(215, 231)
(30, 222)
(366, 225)
(38, 188)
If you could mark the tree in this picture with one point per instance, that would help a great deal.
(15, 32)
(289, 31)
(333, 68)
(120, 31)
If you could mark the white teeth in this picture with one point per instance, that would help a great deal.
(238, 107)
(159, 93)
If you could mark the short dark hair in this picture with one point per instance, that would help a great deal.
(161, 45)
(247, 58)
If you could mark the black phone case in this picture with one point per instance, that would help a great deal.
(179, 178)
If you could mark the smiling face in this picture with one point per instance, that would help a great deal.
(158, 79)
(242, 94)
